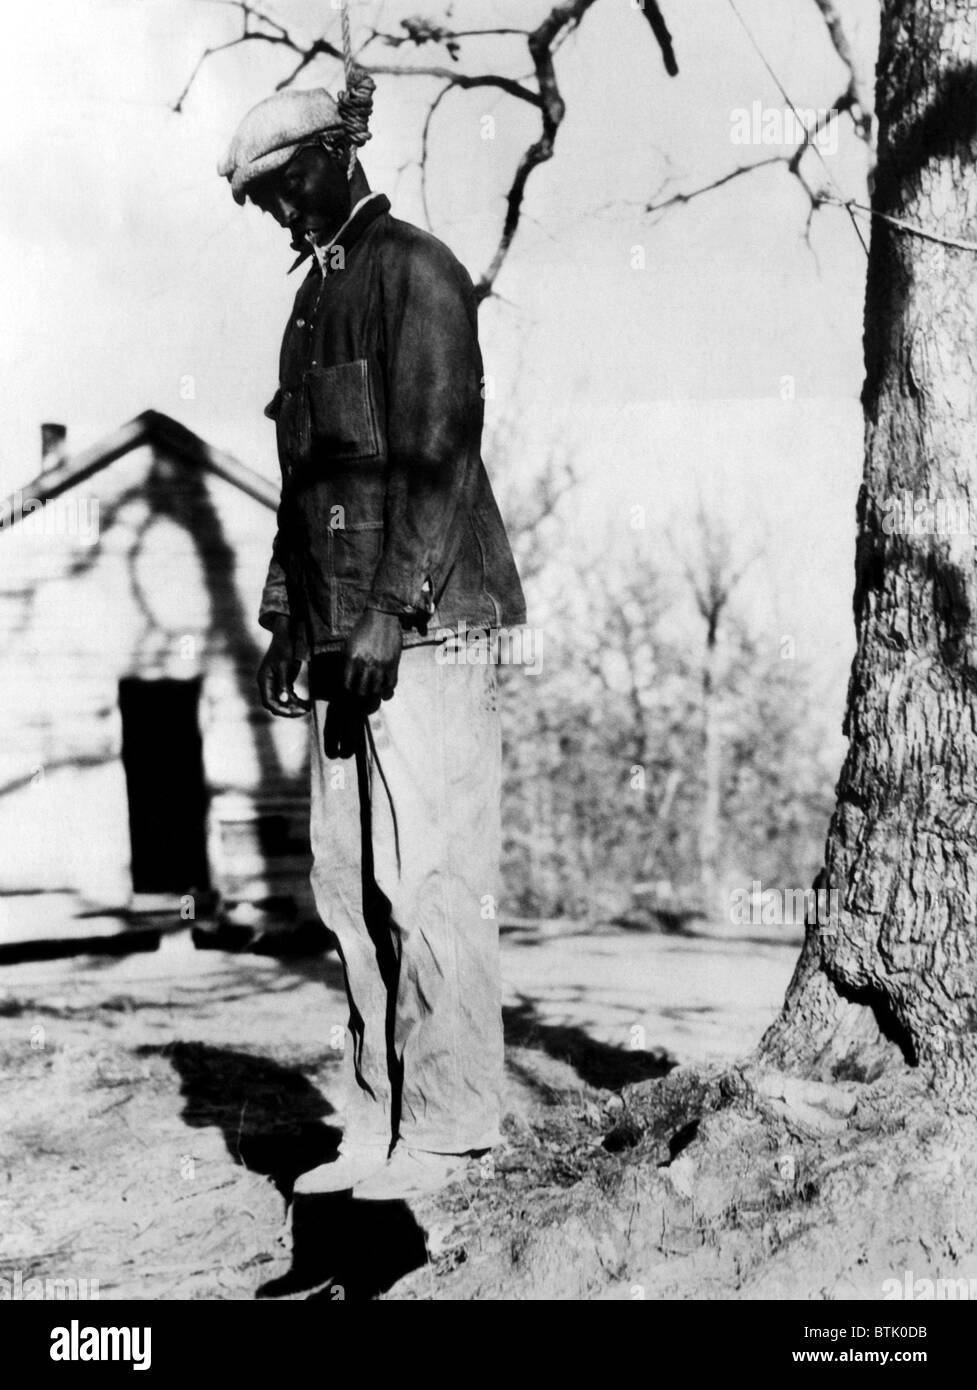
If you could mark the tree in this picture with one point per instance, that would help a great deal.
(713, 576)
(897, 971)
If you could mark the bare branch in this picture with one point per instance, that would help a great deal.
(560, 18)
(421, 31)
(543, 42)
(207, 53)
(425, 141)
(249, 14)
(321, 48)
(659, 28)
(250, 11)
(458, 79)
(858, 98)
(527, 515)
(792, 162)
(680, 199)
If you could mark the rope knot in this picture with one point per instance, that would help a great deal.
(356, 102)
(356, 106)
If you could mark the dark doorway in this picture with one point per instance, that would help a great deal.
(163, 760)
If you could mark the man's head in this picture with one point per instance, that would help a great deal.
(310, 195)
(292, 155)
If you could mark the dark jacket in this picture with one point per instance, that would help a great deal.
(385, 499)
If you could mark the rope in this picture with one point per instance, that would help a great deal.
(841, 200)
(849, 204)
(356, 102)
(903, 226)
(347, 41)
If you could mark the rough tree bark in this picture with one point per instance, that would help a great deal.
(896, 971)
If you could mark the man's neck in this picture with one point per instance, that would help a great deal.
(321, 251)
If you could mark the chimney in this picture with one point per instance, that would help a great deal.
(54, 439)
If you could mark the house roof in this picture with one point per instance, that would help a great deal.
(151, 427)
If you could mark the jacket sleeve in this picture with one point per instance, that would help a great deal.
(433, 387)
(274, 598)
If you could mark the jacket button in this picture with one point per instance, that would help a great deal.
(300, 323)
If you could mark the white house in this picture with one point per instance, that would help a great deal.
(137, 769)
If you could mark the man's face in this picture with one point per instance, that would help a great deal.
(310, 194)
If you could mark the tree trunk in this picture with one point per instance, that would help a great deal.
(899, 962)
(712, 778)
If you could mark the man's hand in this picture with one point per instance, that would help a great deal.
(372, 657)
(277, 672)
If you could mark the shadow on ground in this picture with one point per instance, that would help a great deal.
(270, 1115)
(271, 1118)
(343, 1249)
(274, 1122)
(597, 1063)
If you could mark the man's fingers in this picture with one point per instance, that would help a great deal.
(285, 675)
(358, 678)
(371, 685)
(277, 695)
(344, 726)
(350, 674)
(284, 709)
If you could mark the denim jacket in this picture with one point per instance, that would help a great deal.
(385, 500)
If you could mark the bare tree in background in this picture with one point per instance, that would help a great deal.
(713, 574)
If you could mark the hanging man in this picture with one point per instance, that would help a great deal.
(389, 540)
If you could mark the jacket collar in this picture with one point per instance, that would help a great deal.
(367, 210)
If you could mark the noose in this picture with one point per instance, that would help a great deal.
(347, 40)
(356, 102)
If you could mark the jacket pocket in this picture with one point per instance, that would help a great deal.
(342, 411)
(356, 553)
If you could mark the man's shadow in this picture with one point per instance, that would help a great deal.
(271, 1119)
(344, 1249)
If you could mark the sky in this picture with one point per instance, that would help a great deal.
(711, 352)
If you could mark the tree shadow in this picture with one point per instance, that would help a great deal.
(597, 1063)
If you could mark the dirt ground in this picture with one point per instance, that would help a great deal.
(156, 1109)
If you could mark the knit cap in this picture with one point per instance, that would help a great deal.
(272, 131)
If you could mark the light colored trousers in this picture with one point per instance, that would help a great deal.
(406, 842)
